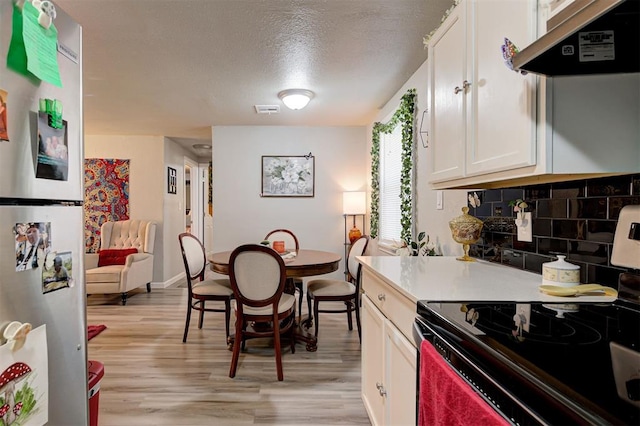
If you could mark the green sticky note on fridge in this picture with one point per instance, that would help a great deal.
(17, 56)
(41, 46)
(33, 48)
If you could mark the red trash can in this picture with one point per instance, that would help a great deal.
(95, 372)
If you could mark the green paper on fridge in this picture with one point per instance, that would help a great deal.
(33, 48)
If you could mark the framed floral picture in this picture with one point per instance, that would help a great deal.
(291, 176)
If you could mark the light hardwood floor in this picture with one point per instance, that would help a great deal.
(152, 378)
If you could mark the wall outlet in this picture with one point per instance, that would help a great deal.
(524, 225)
(439, 200)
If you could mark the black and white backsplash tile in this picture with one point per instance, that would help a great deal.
(577, 219)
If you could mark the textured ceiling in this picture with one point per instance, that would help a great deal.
(175, 68)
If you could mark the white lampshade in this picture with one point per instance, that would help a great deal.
(296, 98)
(354, 202)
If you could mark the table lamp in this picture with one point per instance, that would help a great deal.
(354, 203)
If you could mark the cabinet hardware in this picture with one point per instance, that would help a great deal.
(382, 391)
(381, 297)
(465, 86)
(378, 385)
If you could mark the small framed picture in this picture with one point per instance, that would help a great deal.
(172, 180)
(287, 176)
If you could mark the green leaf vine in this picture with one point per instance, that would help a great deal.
(404, 115)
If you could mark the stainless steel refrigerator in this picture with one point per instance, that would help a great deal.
(41, 186)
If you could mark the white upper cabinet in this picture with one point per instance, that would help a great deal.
(447, 73)
(549, 9)
(501, 115)
(483, 113)
(493, 127)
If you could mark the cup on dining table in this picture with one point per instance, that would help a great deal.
(278, 246)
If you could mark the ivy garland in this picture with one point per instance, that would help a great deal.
(404, 115)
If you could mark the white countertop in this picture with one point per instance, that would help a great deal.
(445, 279)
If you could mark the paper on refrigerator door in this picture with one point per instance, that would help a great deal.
(33, 48)
(24, 381)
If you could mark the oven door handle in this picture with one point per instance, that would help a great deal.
(421, 332)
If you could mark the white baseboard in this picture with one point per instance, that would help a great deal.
(169, 282)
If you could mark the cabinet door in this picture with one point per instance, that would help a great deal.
(400, 378)
(372, 361)
(501, 104)
(447, 71)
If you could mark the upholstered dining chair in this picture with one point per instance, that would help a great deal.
(328, 290)
(258, 279)
(201, 290)
(290, 244)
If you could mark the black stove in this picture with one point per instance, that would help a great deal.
(550, 364)
(557, 364)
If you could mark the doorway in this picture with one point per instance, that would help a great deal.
(192, 198)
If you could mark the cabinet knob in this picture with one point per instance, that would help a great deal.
(378, 385)
(382, 391)
(381, 297)
(457, 90)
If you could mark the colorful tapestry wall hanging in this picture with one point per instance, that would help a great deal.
(106, 197)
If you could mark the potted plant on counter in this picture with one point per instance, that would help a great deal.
(422, 247)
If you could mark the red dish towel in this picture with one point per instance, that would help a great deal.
(446, 399)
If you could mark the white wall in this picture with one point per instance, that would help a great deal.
(241, 216)
(433, 222)
(146, 180)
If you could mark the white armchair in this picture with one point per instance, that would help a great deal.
(132, 270)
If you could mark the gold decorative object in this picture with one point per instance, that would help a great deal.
(465, 229)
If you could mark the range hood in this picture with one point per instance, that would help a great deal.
(587, 37)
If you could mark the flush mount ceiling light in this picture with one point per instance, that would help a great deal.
(296, 98)
(202, 146)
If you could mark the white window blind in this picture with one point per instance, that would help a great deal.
(390, 168)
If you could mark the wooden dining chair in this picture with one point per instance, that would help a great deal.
(290, 244)
(201, 290)
(327, 290)
(258, 279)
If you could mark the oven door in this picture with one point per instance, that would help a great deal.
(483, 384)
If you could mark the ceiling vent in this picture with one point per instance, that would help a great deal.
(268, 109)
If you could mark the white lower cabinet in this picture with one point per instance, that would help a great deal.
(373, 395)
(389, 363)
(400, 380)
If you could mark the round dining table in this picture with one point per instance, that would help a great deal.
(306, 263)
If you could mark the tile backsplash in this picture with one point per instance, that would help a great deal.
(577, 219)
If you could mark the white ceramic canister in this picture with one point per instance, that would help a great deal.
(561, 273)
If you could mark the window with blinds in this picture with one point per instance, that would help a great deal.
(390, 168)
